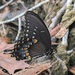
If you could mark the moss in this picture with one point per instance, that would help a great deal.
(68, 18)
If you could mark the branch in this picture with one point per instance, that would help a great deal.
(63, 2)
(7, 21)
(4, 29)
(74, 5)
(19, 28)
(3, 6)
(65, 39)
(38, 5)
(69, 52)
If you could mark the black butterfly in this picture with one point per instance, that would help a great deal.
(36, 41)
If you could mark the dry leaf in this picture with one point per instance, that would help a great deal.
(2, 73)
(4, 13)
(10, 64)
(54, 43)
(4, 45)
(35, 70)
(55, 30)
(5, 39)
(6, 61)
(72, 70)
(61, 33)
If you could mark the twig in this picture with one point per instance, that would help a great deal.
(57, 17)
(67, 52)
(70, 51)
(63, 2)
(19, 28)
(74, 5)
(65, 39)
(55, 20)
(7, 21)
(38, 5)
(4, 29)
(3, 6)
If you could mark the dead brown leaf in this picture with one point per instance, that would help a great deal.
(5, 39)
(61, 33)
(55, 30)
(6, 61)
(2, 73)
(4, 13)
(54, 43)
(72, 70)
(10, 64)
(35, 70)
(4, 45)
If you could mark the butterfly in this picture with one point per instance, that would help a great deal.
(36, 40)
